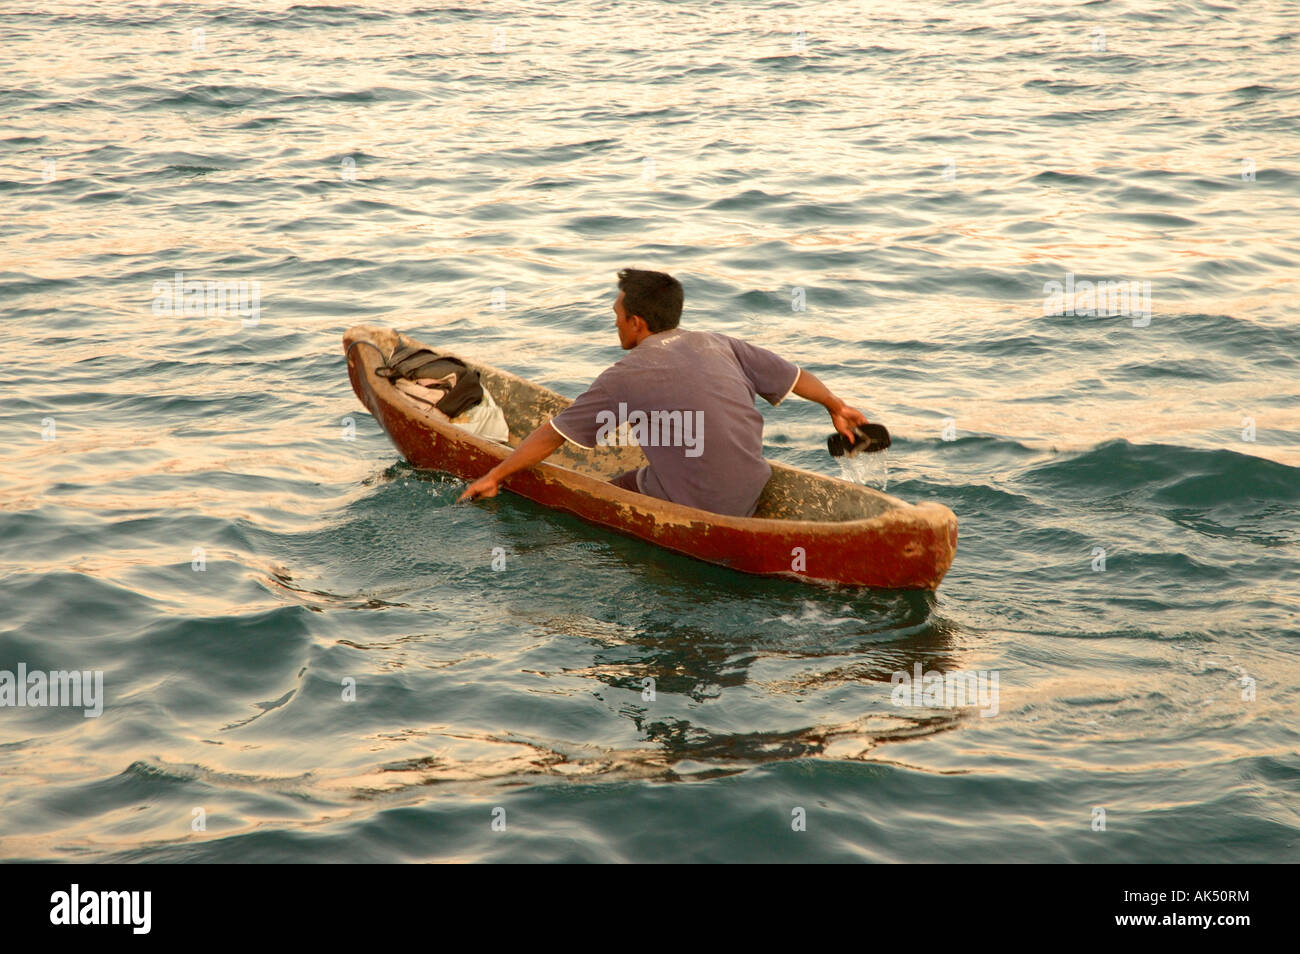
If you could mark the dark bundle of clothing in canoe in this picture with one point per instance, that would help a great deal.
(458, 382)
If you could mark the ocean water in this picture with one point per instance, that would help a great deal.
(306, 652)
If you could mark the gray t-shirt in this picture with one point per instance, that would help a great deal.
(687, 397)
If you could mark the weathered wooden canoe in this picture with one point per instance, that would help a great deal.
(807, 526)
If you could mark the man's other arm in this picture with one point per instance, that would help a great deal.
(844, 418)
(533, 449)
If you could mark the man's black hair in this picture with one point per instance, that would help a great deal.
(655, 296)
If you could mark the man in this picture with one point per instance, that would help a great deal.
(694, 394)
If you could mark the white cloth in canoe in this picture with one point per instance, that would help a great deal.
(484, 419)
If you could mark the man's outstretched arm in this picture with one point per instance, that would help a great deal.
(533, 449)
(844, 418)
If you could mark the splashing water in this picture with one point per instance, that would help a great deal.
(870, 469)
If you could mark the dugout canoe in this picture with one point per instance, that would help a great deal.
(807, 527)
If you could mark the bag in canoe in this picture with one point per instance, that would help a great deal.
(457, 383)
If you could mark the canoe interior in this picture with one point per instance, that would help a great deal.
(790, 494)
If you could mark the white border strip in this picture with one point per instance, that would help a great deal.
(568, 438)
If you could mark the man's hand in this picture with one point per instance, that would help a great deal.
(534, 449)
(485, 486)
(846, 418)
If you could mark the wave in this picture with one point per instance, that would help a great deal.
(1171, 474)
